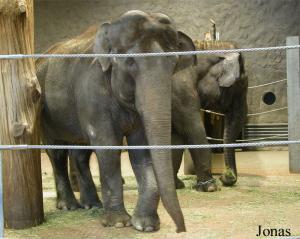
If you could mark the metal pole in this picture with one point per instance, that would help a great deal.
(293, 95)
(1, 200)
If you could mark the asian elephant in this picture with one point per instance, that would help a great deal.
(218, 83)
(98, 101)
(187, 128)
(214, 82)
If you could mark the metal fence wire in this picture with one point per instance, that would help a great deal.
(152, 147)
(158, 54)
(152, 54)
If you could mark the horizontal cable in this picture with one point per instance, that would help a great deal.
(249, 115)
(181, 53)
(212, 112)
(251, 140)
(153, 147)
(266, 112)
(271, 83)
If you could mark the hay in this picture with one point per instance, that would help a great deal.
(214, 45)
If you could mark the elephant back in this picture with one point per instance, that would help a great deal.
(82, 43)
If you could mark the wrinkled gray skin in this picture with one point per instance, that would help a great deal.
(217, 83)
(98, 101)
(187, 128)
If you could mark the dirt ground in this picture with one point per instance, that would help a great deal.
(270, 201)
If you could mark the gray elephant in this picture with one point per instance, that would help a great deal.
(215, 82)
(218, 83)
(98, 101)
(187, 128)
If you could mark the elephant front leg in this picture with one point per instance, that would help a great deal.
(115, 213)
(88, 194)
(145, 217)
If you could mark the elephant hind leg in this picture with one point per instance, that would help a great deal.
(73, 174)
(177, 160)
(88, 194)
(65, 196)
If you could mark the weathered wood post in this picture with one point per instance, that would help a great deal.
(19, 117)
(293, 95)
(1, 201)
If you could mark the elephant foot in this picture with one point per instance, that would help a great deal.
(206, 186)
(116, 219)
(147, 223)
(228, 178)
(90, 203)
(179, 184)
(68, 204)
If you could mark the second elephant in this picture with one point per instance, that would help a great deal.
(218, 83)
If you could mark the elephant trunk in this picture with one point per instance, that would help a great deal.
(229, 153)
(157, 121)
(234, 122)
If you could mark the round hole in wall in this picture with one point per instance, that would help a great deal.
(269, 98)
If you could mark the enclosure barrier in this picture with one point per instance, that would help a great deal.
(152, 54)
(293, 80)
(150, 147)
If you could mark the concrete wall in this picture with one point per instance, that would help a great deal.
(251, 23)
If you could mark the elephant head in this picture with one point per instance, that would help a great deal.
(143, 84)
(216, 74)
(228, 69)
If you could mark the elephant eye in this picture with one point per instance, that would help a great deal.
(130, 61)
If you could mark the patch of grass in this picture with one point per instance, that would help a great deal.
(48, 182)
(253, 200)
(57, 219)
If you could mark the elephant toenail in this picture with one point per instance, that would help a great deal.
(128, 224)
(104, 223)
(149, 229)
(211, 189)
(119, 225)
(139, 228)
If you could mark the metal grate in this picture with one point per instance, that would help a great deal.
(266, 131)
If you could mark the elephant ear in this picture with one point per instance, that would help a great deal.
(230, 72)
(102, 46)
(185, 43)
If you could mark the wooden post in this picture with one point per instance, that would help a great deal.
(293, 95)
(1, 200)
(19, 117)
